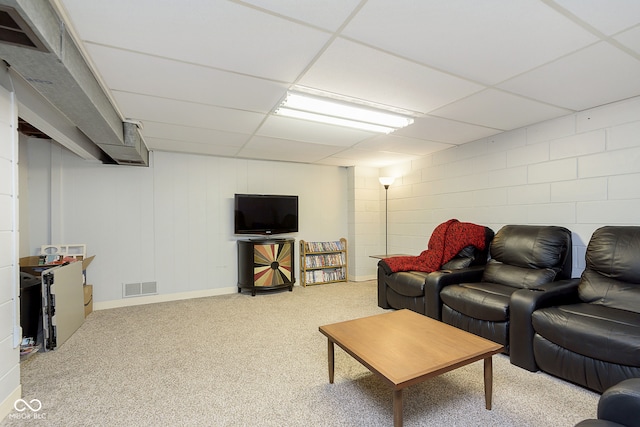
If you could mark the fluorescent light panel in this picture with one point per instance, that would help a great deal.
(313, 108)
(287, 112)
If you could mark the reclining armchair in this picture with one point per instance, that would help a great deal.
(522, 257)
(420, 291)
(618, 406)
(587, 330)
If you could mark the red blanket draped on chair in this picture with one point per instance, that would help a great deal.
(447, 240)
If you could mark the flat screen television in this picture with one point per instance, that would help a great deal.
(265, 214)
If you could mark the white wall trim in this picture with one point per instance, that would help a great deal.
(6, 406)
(152, 299)
(363, 278)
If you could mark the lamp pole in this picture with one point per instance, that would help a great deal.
(386, 219)
(386, 181)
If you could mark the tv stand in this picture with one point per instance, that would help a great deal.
(266, 264)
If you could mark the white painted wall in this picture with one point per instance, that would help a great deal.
(24, 203)
(172, 222)
(581, 171)
(10, 388)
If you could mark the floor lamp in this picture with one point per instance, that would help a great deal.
(386, 181)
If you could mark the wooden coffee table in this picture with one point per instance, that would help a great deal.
(406, 348)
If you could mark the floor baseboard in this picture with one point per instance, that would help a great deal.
(152, 299)
(6, 406)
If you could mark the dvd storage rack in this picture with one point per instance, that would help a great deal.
(323, 262)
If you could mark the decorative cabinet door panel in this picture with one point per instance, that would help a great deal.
(272, 264)
(266, 264)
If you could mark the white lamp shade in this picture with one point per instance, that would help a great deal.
(386, 180)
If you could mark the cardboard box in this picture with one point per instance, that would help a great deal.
(88, 299)
(32, 265)
(35, 264)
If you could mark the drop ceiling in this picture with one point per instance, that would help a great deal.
(204, 76)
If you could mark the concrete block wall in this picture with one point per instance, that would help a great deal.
(364, 222)
(580, 171)
(10, 389)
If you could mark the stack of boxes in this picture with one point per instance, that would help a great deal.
(52, 255)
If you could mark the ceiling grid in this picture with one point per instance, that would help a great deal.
(206, 77)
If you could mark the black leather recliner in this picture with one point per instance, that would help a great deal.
(619, 406)
(587, 330)
(522, 257)
(420, 292)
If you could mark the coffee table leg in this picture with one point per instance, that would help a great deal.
(397, 408)
(331, 360)
(488, 381)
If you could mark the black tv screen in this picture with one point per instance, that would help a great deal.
(265, 214)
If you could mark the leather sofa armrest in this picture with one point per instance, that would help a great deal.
(437, 280)
(522, 305)
(382, 289)
(621, 403)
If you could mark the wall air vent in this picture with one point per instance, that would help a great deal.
(139, 289)
(14, 30)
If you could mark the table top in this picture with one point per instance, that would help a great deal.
(406, 348)
(388, 256)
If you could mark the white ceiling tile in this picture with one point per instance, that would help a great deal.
(260, 147)
(210, 33)
(168, 132)
(606, 74)
(446, 131)
(608, 16)
(306, 131)
(487, 41)
(142, 107)
(630, 39)
(150, 75)
(495, 109)
(403, 145)
(368, 158)
(333, 161)
(329, 14)
(353, 69)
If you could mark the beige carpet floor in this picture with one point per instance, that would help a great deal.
(238, 360)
